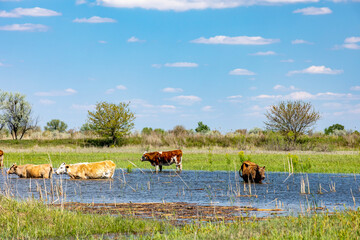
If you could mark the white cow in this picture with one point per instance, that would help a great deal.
(96, 170)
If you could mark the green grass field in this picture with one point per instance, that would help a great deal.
(312, 163)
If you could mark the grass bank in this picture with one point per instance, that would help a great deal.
(299, 162)
(34, 220)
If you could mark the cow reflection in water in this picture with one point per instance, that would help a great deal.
(159, 159)
(250, 171)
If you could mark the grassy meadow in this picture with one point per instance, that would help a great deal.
(196, 159)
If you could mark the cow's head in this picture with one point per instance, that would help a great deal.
(145, 157)
(261, 172)
(12, 169)
(152, 156)
(62, 169)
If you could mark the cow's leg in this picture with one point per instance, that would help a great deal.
(160, 167)
(157, 168)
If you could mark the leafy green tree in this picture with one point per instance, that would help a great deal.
(202, 128)
(146, 131)
(111, 120)
(56, 125)
(16, 114)
(332, 128)
(291, 118)
(86, 127)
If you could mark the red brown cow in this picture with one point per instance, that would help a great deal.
(250, 171)
(1, 159)
(159, 159)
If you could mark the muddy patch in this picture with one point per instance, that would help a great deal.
(177, 213)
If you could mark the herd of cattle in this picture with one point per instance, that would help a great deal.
(249, 171)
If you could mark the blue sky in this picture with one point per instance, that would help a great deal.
(180, 61)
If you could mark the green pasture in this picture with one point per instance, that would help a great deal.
(311, 163)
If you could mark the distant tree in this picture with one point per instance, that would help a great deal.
(202, 128)
(86, 127)
(56, 125)
(159, 131)
(255, 130)
(178, 130)
(146, 131)
(111, 120)
(16, 114)
(332, 128)
(291, 118)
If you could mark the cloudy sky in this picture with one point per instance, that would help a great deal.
(222, 62)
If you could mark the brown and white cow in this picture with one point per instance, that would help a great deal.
(159, 159)
(95, 170)
(250, 171)
(1, 159)
(31, 170)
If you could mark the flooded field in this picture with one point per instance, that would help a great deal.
(280, 193)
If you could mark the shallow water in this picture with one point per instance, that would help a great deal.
(200, 187)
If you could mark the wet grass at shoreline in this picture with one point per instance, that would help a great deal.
(30, 219)
(311, 163)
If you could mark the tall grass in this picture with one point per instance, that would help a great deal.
(239, 140)
(34, 220)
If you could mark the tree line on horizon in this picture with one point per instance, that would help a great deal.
(114, 121)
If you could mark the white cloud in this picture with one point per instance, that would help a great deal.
(185, 5)
(283, 88)
(172, 90)
(110, 91)
(317, 70)
(355, 88)
(241, 71)
(253, 88)
(134, 39)
(94, 19)
(65, 92)
(102, 41)
(155, 65)
(121, 87)
(313, 11)
(288, 60)
(181, 64)
(240, 40)
(29, 12)
(234, 99)
(26, 27)
(83, 107)
(300, 41)
(186, 100)
(350, 43)
(118, 87)
(167, 108)
(79, 2)
(46, 102)
(302, 95)
(264, 53)
(207, 109)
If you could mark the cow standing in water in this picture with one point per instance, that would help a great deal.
(95, 170)
(1, 159)
(250, 171)
(31, 170)
(159, 159)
